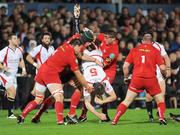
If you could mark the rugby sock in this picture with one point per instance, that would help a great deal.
(31, 106)
(59, 112)
(45, 105)
(120, 111)
(10, 102)
(74, 102)
(149, 107)
(84, 110)
(161, 110)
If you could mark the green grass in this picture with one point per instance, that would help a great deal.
(134, 122)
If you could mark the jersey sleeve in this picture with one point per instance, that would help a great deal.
(73, 62)
(129, 58)
(159, 60)
(163, 51)
(2, 54)
(34, 51)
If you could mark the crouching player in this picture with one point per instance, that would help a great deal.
(95, 76)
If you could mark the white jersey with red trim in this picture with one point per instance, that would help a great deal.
(41, 54)
(162, 51)
(11, 58)
(93, 72)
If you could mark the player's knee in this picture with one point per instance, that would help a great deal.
(148, 98)
(159, 98)
(58, 95)
(39, 99)
(12, 99)
(11, 93)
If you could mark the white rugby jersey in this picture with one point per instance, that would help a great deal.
(93, 72)
(41, 54)
(11, 59)
(162, 51)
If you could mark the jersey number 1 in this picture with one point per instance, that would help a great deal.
(143, 59)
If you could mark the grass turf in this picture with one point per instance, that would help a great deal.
(134, 122)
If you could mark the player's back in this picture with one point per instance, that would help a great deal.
(144, 58)
(92, 71)
(62, 57)
(94, 53)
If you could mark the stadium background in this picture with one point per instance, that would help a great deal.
(131, 18)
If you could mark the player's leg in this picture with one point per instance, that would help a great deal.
(57, 92)
(149, 106)
(161, 108)
(40, 89)
(83, 116)
(105, 106)
(121, 109)
(44, 106)
(11, 93)
(10, 87)
(75, 98)
(153, 88)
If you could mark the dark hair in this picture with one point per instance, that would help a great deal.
(87, 36)
(10, 35)
(76, 42)
(46, 34)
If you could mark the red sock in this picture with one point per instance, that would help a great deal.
(161, 110)
(120, 111)
(84, 110)
(45, 105)
(74, 102)
(59, 111)
(31, 106)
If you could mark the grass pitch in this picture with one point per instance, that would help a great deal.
(134, 122)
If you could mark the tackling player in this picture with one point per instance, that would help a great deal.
(48, 76)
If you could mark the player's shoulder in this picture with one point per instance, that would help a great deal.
(51, 47)
(158, 46)
(4, 49)
(20, 49)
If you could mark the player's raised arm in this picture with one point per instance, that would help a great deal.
(76, 18)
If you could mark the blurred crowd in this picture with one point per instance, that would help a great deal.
(165, 29)
(102, 1)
